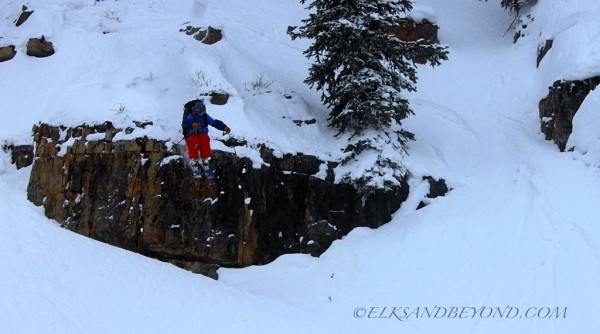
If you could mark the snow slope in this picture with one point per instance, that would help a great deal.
(519, 230)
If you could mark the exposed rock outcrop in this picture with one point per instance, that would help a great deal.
(20, 155)
(543, 50)
(208, 35)
(139, 195)
(25, 14)
(412, 31)
(437, 188)
(559, 107)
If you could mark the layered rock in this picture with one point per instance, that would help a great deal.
(138, 194)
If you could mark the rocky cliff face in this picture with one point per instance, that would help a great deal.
(138, 194)
(559, 107)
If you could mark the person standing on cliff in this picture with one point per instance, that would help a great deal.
(196, 137)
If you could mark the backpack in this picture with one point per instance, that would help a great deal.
(187, 109)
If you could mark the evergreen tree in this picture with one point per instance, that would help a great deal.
(514, 5)
(362, 70)
(519, 23)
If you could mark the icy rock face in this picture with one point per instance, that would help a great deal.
(559, 107)
(139, 195)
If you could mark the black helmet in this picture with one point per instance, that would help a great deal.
(199, 108)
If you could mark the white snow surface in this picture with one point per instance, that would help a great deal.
(518, 230)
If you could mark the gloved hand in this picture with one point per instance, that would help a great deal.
(227, 130)
(195, 125)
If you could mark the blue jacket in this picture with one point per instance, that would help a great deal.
(204, 121)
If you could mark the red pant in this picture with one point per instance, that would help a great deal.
(199, 142)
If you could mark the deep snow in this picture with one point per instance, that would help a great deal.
(518, 230)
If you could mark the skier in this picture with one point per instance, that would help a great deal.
(197, 139)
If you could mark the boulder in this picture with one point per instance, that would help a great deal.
(219, 98)
(39, 47)
(7, 53)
